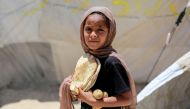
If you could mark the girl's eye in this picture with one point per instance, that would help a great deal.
(100, 30)
(88, 29)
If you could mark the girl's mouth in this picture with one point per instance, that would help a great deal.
(93, 41)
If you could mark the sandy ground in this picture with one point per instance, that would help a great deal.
(35, 104)
(31, 98)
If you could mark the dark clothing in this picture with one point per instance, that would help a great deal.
(112, 78)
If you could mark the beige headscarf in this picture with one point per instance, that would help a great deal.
(107, 48)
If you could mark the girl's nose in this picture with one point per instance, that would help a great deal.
(93, 35)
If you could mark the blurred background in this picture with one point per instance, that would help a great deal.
(40, 44)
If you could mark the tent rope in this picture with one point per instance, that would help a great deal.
(168, 39)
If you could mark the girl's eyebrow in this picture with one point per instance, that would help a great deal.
(86, 26)
(102, 26)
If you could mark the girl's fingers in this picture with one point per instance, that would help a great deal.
(80, 90)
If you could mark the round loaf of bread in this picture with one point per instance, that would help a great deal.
(98, 94)
(85, 74)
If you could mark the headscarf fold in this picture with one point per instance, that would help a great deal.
(65, 94)
(131, 83)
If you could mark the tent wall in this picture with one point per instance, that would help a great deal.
(173, 95)
(179, 45)
(27, 64)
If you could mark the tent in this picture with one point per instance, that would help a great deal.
(40, 44)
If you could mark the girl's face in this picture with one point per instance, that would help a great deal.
(95, 31)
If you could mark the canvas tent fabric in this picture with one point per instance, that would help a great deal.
(39, 39)
(170, 89)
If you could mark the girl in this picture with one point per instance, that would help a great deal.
(97, 32)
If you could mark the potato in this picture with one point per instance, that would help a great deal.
(105, 94)
(98, 94)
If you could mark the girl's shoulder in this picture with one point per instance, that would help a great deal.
(112, 60)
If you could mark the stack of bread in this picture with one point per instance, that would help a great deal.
(85, 75)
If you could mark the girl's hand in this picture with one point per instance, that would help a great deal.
(86, 97)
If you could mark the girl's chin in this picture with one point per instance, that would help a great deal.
(93, 47)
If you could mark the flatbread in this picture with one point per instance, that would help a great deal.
(85, 74)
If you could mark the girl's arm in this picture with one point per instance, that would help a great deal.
(123, 99)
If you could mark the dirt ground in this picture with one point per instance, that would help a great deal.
(31, 98)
